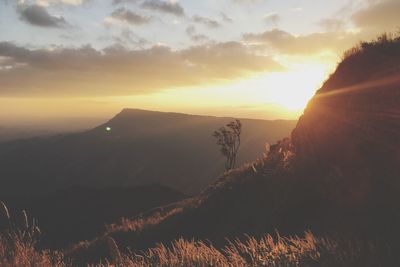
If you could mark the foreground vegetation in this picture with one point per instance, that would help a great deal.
(267, 251)
(18, 247)
(19, 240)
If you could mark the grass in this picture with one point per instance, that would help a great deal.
(251, 252)
(382, 42)
(308, 250)
(366, 61)
(18, 243)
(18, 248)
(149, 219)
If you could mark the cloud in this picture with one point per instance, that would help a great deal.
(225, 17)
(383, 15)
(39, 16)
(125, 15)
(273, 18)
(287, 43)
(206, 21)
(331, 24)
(350, 25)
(115, 70)
(59, 2)
(173, 8)
(248, 1)
(117, 2)
(297, 9)
(196, 37)
(128, 38)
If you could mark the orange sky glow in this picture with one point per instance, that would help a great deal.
(88, 60)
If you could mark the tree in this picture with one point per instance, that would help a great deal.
(228, 139)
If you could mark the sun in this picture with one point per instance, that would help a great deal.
(281, 95)
(293, 89)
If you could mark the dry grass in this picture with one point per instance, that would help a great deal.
(146, 220)
(18, 243)
(15, 251)
(267, 251)
(383, 40)
(18, 247)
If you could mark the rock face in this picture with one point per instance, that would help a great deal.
(352, 125)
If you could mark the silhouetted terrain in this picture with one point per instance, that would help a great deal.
(80, 213)
(13, 133)
(142, 148)
(35, 127)
(338, 174)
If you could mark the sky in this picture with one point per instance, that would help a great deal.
(262, 59)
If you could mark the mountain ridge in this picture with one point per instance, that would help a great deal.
(126, 153)
(127, 111)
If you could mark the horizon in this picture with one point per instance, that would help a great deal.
(48, 127)
(76, 124)
(95, 58)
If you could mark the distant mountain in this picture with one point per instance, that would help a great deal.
(36, 127)
(136, 147)
(13, 133)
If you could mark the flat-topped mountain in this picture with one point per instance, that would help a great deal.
(136, 147)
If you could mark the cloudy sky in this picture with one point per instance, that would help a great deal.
(246, 58)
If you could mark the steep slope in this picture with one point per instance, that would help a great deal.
(351, 128)
(340, 174)
(357, 106)
(142, 148)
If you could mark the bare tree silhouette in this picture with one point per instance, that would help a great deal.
(228, 138)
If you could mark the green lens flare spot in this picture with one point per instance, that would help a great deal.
(108, 129)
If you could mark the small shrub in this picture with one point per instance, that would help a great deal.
(228, 139)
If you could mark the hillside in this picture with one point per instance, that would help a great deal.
(142, 148)
(79, 213)
(30, 128)
(337, 175)
(12, 133)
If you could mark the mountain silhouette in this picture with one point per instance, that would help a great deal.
(136, 147)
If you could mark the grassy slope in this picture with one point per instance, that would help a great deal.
(79, 213)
